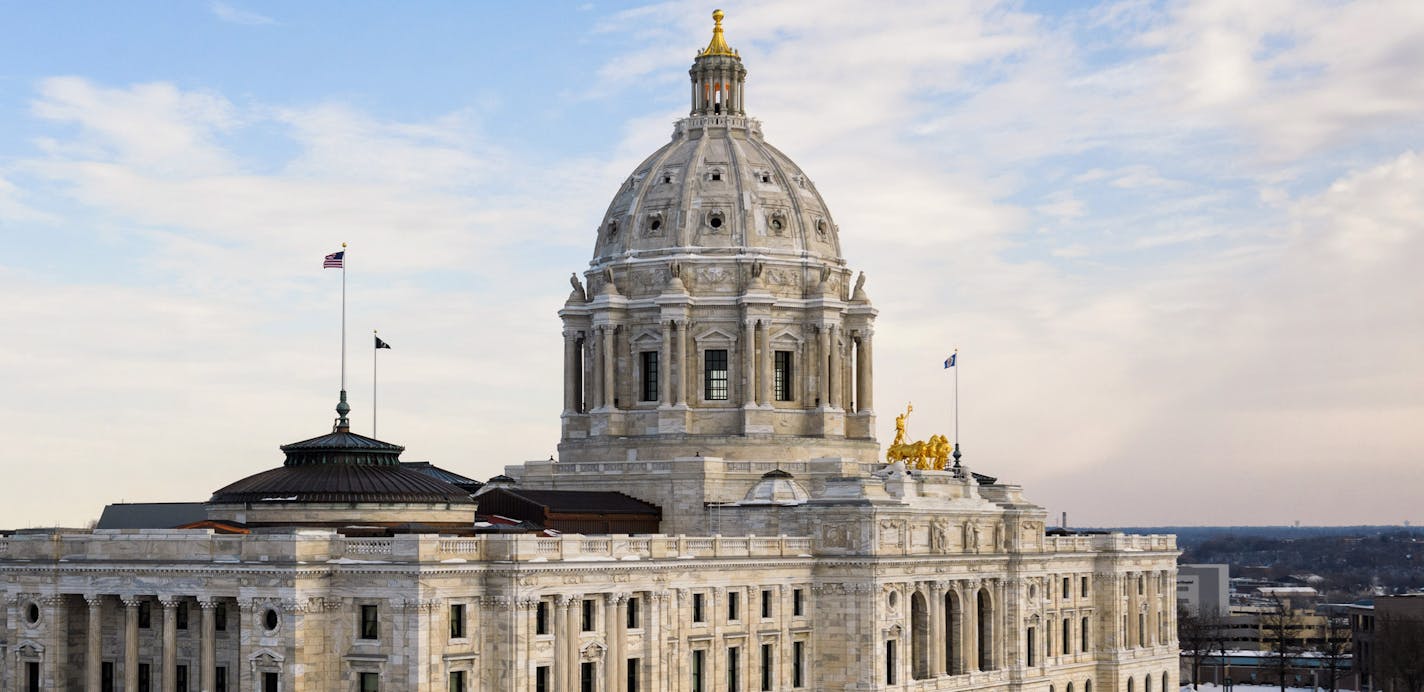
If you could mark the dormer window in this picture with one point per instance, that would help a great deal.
(612, 228)
(667, 179)
(766, 177)
(716, 176)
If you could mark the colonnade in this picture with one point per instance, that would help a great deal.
(955, 628)
(593, 378)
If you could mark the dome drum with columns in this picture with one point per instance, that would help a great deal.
(718, 311)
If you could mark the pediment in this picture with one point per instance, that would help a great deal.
(716, 335)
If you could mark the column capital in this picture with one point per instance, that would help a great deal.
(131, 601)
(208, 603)
(169, 602)
(95, 600)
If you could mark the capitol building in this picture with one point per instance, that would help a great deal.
(720, 517)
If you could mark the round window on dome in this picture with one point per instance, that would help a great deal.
(655, 223)
(716, 219)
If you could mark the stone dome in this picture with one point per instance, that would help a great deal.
(776, 488)
(718, 190)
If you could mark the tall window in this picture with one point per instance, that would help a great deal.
(457, 621)
(734, 606)
(588, 619)
(1083, 635)
(766, 603)
(145, 677)
(714, 375)
(781, 378)
(180, 678)
(1085, 586)
(698, 656)
(1067, 587)
(271, 682)
(145, 614)
(635, 676)
(650, 375)
(587, 677)
(890, 661)
(370, 622)
(106, 677)
(697, 607)
(798, 664)
(633, 620)
(181, 617)
(734, 669)
(220, 680)
(798, 600)
(541, 679)
(370, 682)
(220, 617)
(768, 670)
(1067, 635)
(1032, 659)
(32, 676)
(541, 617)
(457, 681)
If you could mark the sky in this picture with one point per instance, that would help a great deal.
(1177, 244)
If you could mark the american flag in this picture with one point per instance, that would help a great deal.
(333, 260)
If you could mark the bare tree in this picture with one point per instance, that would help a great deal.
(1399, 653)
(1279, 627)
(1335, 650)
(1198, 635)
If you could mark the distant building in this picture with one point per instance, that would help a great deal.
(1374, 642)
(1204, 589)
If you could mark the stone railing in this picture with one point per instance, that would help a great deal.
(1112, 541)
(315, 547)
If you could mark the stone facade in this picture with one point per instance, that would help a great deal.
(718, 363)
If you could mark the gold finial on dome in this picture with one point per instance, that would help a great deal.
(718, 46)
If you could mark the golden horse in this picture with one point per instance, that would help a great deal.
(931, 454)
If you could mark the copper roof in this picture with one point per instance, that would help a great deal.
(340, 483)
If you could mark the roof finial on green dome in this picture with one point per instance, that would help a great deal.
(343, 424)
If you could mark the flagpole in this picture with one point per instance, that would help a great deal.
(343, 320)
(956, 408)
(375, 356)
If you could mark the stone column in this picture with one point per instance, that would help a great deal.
(561, 636)
(170, 644)
(766, 375)
(748, 346)
(94, 651)
(571, 364)
(665, 366)
(613, 612)
(208, 643)
(970, 641)
(823, 340)
(130, 642)
(688, 361)
(935, 605)
(864, 382)
(833, 371)
(610, 358)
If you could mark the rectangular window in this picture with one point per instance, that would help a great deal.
(370, 682)
(106, 677)
(781, 378)
(541, 679)
(1067, 636)
(1067, 587)
(457, 681)
(180, 678)
(734, 669)
(714, 375)
(182, 616)
(145, 615)
(220, 679)
(697, 660)
(768, 669)
(145, 678)
(220, 617)
(697, 607)
(635, 674)
(370, 622)
(271, 682)
(649, 360)
(734, 606)
(765, 603)
(890, 661)
(457, 621)
(587, 619)
(1083, 634)
(1032, 650)
(1085, 586)
(798, 664)
(541, 617)
(32, 676)
(798, 602)
(587, 682)
(633, 619)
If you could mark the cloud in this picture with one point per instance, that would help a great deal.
(234, 15)
(1223, 305)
